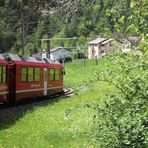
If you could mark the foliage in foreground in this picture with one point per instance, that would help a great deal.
(122, 119)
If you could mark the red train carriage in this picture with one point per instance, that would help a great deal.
(3, 81)
(32, 77)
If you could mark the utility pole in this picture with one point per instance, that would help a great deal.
(48, 45)
(47, 23)
(84, 62)
(96, 59)
(22, 30)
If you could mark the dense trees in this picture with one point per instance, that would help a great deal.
(80, 18)
(12, 14)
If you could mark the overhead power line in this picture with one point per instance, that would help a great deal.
(74, 38)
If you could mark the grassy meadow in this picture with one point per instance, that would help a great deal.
(60, 123)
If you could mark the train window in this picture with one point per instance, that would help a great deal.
(0, 74)
(30, 74)
(24, 74)
(62, 73)
(37, 74)
(57, 74)
(51, 76)
(4, 74)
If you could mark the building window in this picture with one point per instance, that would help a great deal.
(93, 52)
(2, 74)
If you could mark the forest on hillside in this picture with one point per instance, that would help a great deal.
(24, 22)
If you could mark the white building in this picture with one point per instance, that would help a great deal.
(59, 54)
(99, 47)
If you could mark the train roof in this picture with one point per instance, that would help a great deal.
(2, 59)
(26, 59)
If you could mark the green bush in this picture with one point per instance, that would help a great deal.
(122, 120)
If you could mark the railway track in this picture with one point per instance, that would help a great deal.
(68, 92)
(25, 105)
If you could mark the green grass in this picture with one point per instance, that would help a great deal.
(62, 123)
(76, 73)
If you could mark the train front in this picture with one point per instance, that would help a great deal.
(3, 80)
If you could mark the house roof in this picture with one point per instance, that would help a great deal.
(58, 54)
(134, 40)
(55, 49)
(106, 41)
(97, 40)
(123, 40)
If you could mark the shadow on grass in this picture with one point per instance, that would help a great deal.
(9, 114)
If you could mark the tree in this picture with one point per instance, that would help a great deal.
(121, 120)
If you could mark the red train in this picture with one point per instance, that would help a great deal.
(26, 77)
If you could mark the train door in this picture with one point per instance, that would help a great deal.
(11, 82)
(45, 81)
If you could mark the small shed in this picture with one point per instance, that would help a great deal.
(99, 47)
(59, 54)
